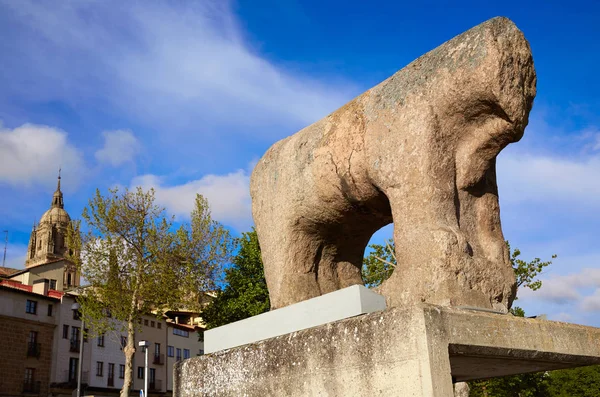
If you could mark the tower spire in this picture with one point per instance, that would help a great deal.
(57, 198)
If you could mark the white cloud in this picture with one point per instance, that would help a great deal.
(120, 146)
(564, 317)
(176, 63)
(228, 196)
(572, 288)
(533, 178)
(33, 153)
(591, 303)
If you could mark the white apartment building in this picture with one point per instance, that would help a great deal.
(182, 343)
(67, 341)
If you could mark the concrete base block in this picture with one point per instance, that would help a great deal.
(417, 351)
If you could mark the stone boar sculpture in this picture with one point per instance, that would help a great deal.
(417, 150)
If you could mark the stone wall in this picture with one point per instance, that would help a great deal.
(13, 334)
(416, 351)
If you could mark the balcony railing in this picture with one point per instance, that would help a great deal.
(74, 345)
(71, 377)
(31, 387)
(111, 381)
(158, 359)
(155, 386)
(33, 349)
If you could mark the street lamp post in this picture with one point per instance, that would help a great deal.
(145, 345)
(76, 307)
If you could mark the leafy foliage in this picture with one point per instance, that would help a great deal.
(379, 264)
(136, 262)
(246, 293)
(524, 385)
(579, 382)
(526, 272)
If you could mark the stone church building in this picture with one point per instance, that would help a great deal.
(47, 250)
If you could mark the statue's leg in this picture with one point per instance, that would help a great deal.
(343, 253)
(440, 261)
(294, 276)
(319, 263)
(339, 266)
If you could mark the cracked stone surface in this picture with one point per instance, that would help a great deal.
(420, 150)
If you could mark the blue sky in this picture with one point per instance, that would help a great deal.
(187, 96)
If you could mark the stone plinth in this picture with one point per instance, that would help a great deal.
(337, 305)
(401, 352)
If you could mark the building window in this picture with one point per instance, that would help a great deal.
(101, 340)
(111, 374)
(152, 376)
(146, 323)
(73, 364)
(178, 358)
(140, 372)
(121, 371)
(49, 309)
(31, 307)
(123, 342)
(32, 337)
(200, 352)
(29, 375)
(170, 351)
(52, 284)
(158, 324)
(74, 333)
(65, 331)
(186, 353)
(152, 324)
(157, 349)
(181, 332)
(99, 368)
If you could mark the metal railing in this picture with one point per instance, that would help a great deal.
(74, 345)
(71, 377)
(158, 359)
(33, 349)
(31, 386)
(155, 386)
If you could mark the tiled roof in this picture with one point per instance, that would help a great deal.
(7, 271)
(29, 288)
(17, 285)
(19, 271)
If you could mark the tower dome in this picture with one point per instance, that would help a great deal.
(48, 238)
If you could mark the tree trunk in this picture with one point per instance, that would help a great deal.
(129, 351)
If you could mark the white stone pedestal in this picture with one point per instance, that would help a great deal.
(338, 305)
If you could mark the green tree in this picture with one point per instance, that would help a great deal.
(526, 273)
(245, 293)
(523, 385)
(379, 264)
(136, 262)
(580, 382)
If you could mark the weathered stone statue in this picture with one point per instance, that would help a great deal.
(419, 149)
